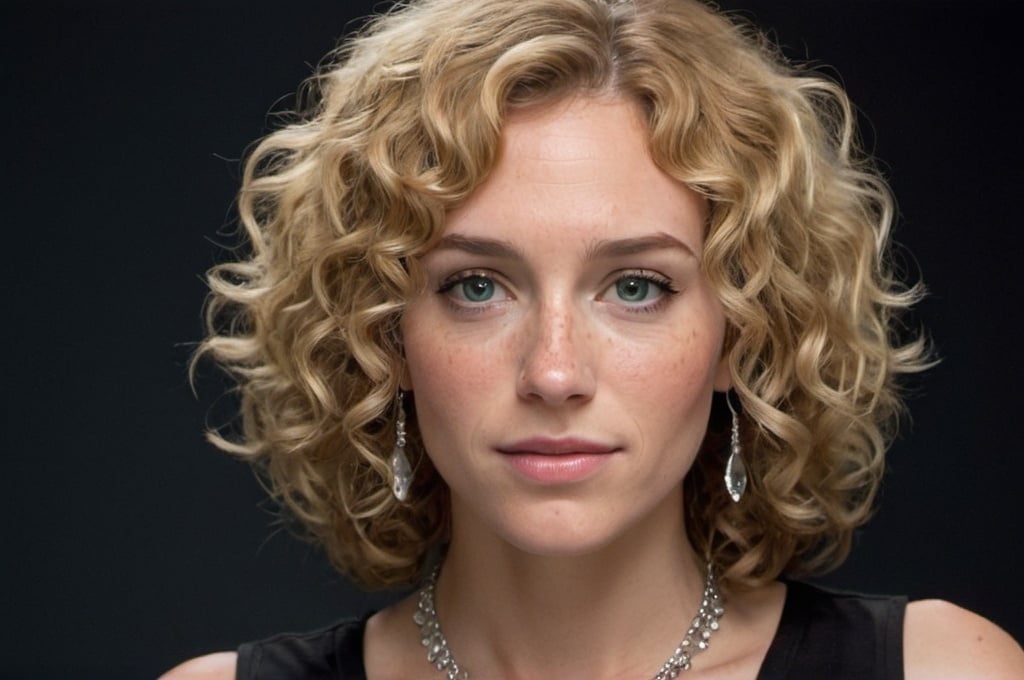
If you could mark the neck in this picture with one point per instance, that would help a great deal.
(616, 611)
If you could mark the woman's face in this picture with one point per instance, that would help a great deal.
(563, 352)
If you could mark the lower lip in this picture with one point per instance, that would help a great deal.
(557, 468)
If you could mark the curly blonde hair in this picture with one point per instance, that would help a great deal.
(403, 122)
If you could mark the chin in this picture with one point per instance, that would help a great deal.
(562, 529)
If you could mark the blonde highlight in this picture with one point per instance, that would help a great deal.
(404, 123)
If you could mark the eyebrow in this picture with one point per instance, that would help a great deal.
(491, 247)
(479, 246)
(631, 246)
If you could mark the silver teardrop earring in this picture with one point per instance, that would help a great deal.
(735, 470)
(401, 472)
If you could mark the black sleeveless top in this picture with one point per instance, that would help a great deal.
(822, 634)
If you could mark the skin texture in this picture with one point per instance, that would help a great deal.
(535, 320)
(945, 642)
(565, 299)
(556, 351)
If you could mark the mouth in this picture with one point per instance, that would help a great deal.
(563, 460)
(557, 446)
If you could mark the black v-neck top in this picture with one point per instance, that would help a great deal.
(822, 634)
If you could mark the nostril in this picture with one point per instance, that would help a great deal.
(555, 376)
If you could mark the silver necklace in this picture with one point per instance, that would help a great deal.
(698, 635)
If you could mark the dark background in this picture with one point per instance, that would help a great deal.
(130, 544)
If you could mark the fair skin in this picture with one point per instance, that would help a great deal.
(562, 355)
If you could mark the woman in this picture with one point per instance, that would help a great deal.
(577, 315)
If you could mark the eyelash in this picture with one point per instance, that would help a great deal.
(455, 279)
(664, 285)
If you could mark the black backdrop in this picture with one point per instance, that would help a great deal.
(131, 544)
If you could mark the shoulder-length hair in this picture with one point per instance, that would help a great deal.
(403, 122)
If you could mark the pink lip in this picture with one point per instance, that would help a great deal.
(557, 461)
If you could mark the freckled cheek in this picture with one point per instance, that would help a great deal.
(450, 370)
(455, 383)
(672, 361)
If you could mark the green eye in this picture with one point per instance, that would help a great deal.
(471, 290)
(477, 289)
(633, 289)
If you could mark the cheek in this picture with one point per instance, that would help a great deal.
(448, 374)
(674, 364)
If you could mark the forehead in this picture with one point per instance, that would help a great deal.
(580, 166)
(576, 127)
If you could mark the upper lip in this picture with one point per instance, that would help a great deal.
(556, 446)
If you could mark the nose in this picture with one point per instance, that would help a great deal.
(556, 365)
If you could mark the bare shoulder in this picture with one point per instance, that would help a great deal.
(942, 641)
(219, 666)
